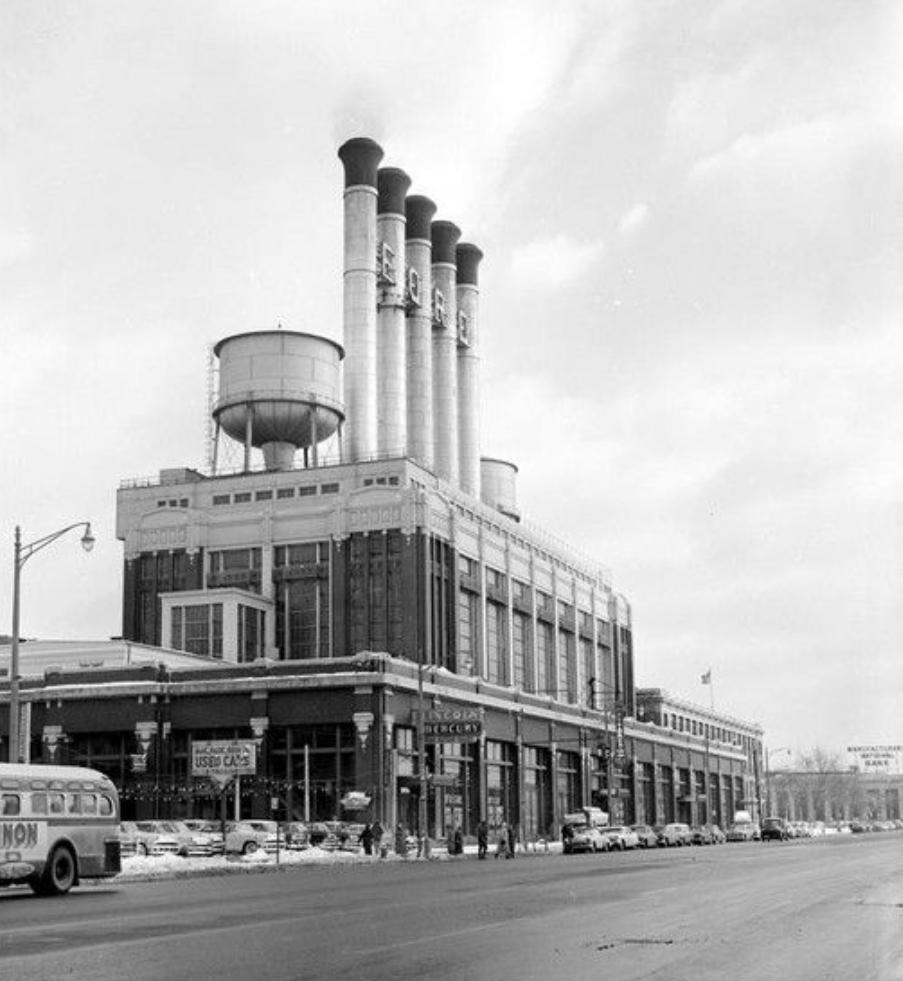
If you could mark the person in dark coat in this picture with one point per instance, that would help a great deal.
(366, 839)
(401, 840)
(459, 841)
(512, 841)
(378, 839)
(482, 839)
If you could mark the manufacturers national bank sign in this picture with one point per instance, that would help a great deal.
(452, 725)
(877, 759)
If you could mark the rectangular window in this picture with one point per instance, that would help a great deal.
(496, 644)
(520, 649)
(329, 488)
(222, 498)
(198, 629)
(264, 495)
(467, 630)
(285, 492)
(307, 491)
(243, 498)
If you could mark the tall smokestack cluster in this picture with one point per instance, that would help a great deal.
(411, 303)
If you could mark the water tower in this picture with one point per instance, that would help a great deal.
(279, 391)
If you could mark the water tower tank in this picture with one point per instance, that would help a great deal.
(279, 390)
(498, 486)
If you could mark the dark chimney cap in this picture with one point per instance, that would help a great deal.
(361, 157)
(445, 235)
(468, 257)
(419, 212)
(393, 185)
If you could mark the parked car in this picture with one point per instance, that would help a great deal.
(707, 834)
(212, 829)
(646, 836)
(247, 837)
(156, 839)
(675, 834)
(133, 841)
(580, 836)
(620, 837)
(743, 831)
(190, 843)
(775, 829)
(323, 834)
(297, 836)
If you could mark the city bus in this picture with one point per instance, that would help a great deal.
(58, 825)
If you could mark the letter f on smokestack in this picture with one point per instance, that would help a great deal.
(361, 158)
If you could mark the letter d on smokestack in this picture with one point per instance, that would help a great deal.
(361, 158)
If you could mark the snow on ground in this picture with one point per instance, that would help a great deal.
(143, 868)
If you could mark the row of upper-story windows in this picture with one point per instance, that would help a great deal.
(173, 502)
(707, 730)
(278, 493)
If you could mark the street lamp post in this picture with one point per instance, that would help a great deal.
(22, 553)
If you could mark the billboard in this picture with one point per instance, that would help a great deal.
(223, 758)
(876, 759)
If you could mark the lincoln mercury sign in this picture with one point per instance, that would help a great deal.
(223, 758)
(452, 725)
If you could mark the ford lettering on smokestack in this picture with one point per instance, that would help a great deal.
(361, 158)
(468, 295)
(391, 382)
(445, 237)
(418, 252)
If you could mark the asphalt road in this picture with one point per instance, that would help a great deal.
(792, 911)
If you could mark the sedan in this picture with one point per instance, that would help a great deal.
(621, 838)
(675, 834)
(646, 835)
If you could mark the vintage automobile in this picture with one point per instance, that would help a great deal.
(775, 829)
(620, 837)
(646, 835)
(675, 834)
(580, 835)
(248, 837)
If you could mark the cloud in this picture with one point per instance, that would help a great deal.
(635, 219)
(553, 263)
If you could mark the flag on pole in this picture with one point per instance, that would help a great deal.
(707, 677)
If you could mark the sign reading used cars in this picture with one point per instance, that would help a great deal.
(452, 724)
(223, 757)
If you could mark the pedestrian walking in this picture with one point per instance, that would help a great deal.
(378, 847)
(459, 841)
(482, 840)
(366, 839)
(401, 840)
(512, 841)
(501, 846)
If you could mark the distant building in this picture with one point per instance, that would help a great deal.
(371, 593)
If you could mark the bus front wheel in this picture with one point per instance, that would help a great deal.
(58, 876)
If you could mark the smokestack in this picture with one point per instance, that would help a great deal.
(499, 486)
(418, 253)
(445, 237)
(361, 157)
(391, 370)
(468, 296)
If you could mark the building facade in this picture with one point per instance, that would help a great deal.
(361, 597)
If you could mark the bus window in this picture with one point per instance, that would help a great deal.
(57, 804)
(89, 804)
(75, 803)
(106, 806)
(12, 804)
(39, 803)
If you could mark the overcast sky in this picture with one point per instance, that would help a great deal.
(691, 297)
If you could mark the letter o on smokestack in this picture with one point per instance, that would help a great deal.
(418, 252)
(445, 237)
(391, 370)
(468, 260)
(361, 157)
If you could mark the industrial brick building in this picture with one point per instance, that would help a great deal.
(363, 583)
